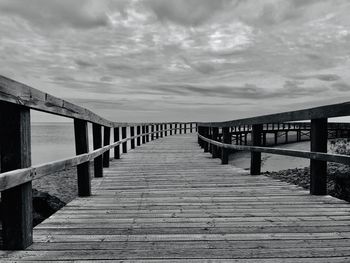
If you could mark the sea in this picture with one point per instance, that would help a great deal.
(52, 141)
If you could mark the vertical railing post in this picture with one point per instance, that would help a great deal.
(225, 139)
(147, 131)
(196, 127)
(175, 131)
(215, 136)
(161, 130)
(138, 130)
(106, 141)
(125, 146)
(171, 129)
(199, 140)
(180, 128)
(97, 143)
(191, 127)
(206, 135)
(17, 206)
(82, 146)
(318, 169)
(255, 161)
(116, 139)
(132, 134)
(157, 131)
(165, 128)
(185, 127)
(152, 130)
(143, 134)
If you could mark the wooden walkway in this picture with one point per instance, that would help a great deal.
(169, 201)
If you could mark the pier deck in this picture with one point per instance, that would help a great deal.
(169, 201)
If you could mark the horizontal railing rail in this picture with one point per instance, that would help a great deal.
(17, 173)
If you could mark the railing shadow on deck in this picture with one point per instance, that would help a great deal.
(17, 173)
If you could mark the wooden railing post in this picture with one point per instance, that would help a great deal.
(106, 141)
(206, 135)
(191, 127)
(17, 206)
(138, 130)
(210, 137)
(225, 139)
(165, 128)
(116, 139)
(82, 146)
(143, 136)
(157, 131)
(132, 134)
(180, 128)
(255, 161)
(161, 130)
(125, 146)
(171, 129)
(175, 131)
(318, 169)
(97, 143)
(152, 130)
(199, 140)
(215, 136)
(185, 127)
(147, 131)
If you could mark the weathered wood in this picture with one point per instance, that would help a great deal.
(106, 141)
(171, 129)
(185, 128)
(124, 145)
(191, 127)
(132, 134)
(180, 128)
(97, 143)
(225, 139)
(152, 132)
(206, 134)
(143, 136)
(215, 137)
(116, 139)
(318, 169)
(157, 129)
(15, 152)
(165, 128)
(82, 146)
(147, 131)
(255, 161)
(175, 131)
(161, 134)
(138, 129)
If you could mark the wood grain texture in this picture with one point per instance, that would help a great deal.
(168, 201)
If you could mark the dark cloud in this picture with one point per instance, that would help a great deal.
(186, 12)
(84, 64)
(323, 77)
(81, 14)
(341, 86)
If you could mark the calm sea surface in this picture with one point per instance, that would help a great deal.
(54, 141)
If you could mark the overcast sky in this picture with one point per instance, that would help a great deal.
(149, 60)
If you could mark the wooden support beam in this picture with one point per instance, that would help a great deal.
(138, 131)
(143, 136)
(210, 137)
(191, 127)
(171, 129)
(255, 161)
(215, 135)
(147, 131)
(286, 137)
(175, 131)
(116, 139)
(161, 130)
(225, 139)
(15, 153)
(276, 138)
(97, 143)
(152, 130)
(318, 169)
(82, 146)
(157, 131)
(132, 134)
(206, 135)
(106, 141)
(180, 128)
(185, 127)
(124, 145)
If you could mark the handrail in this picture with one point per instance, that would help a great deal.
(328, 111)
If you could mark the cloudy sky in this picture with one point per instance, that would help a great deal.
(149, 60)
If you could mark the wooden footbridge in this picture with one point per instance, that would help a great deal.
(167, 200)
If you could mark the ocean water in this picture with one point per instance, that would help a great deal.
(55, 141)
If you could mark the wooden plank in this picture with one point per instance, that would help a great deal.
(97, 143)
(15, 152)
(106, 142)
(82, 146)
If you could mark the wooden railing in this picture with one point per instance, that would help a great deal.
(17, 173)
(209, 134)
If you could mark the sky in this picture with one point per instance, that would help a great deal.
(179, 60)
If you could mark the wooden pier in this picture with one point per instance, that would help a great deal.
(170, 198)
(169, 201)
